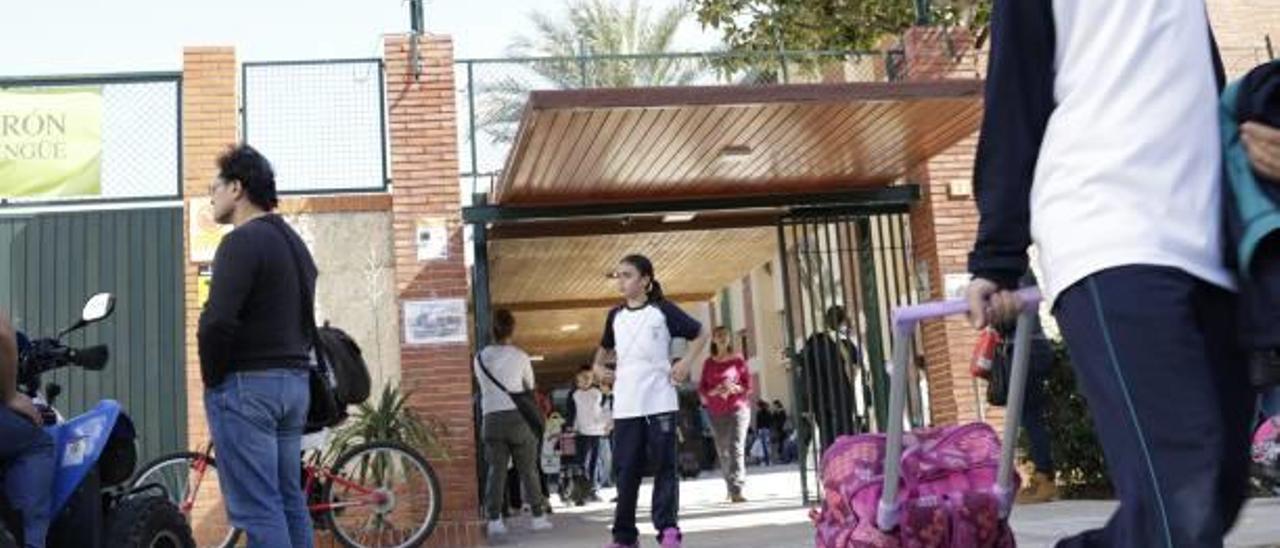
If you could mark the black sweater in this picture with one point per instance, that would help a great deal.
(253, 319)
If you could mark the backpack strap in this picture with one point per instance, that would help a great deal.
(492, 379)
(308, 306)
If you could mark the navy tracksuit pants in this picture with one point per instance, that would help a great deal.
(1155, 354)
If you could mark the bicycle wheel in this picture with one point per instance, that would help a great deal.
(197, 495)
(382, 494)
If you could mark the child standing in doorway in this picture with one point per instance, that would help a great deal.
(645, 405)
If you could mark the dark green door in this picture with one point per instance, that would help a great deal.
(57, 260)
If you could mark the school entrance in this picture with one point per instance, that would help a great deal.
(764, 209)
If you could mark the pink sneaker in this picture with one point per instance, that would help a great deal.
(670, 538)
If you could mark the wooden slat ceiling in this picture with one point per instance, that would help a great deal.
(577, 146)
(572, 269)
(551, 283)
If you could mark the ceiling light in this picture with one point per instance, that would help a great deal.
(568, 328)
(537, 358)
(735, 153)
(678, 217)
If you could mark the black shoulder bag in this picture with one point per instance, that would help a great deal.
(324, 410)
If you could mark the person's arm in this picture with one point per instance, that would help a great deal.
(235, 266)
(705, 388)
(744, 373)
(8, 360)
(607, 344)
(680, 324)
(526, 373)
(1018, 103)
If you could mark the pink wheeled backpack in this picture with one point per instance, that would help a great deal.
(949, 487)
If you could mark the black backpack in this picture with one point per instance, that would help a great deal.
(346, 363)
(340, 376)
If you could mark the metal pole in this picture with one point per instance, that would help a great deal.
(850, 253)
(582, 61)
(471, 112)
(887, 515)
(480, 283)
(480, 298)
(875, 337)
(1013, 411)
(382, 128)
(923, 15)
(799, 399)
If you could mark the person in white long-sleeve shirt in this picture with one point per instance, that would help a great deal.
(1100, 144)
(589, 417)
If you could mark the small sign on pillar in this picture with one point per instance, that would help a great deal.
(433, 239)
(436, 321)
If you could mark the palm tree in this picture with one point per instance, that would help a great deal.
(565, 47)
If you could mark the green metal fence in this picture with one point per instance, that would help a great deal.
(55, 261)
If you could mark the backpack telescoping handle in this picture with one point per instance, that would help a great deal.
(905, 320)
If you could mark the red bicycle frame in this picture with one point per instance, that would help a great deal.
(313, 475)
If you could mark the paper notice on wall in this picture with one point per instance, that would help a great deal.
(433, 239)
(441, 321)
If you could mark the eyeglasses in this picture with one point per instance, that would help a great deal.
(218, 183)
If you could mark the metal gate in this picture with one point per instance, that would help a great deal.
(843, 273)
(57, 260)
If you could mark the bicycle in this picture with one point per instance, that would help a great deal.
(388, 480)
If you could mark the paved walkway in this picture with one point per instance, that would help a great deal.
(775, 518)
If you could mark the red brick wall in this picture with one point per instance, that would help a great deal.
(943, 228)
(424, 174)
(208, 126)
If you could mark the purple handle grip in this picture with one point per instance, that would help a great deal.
(906, 317)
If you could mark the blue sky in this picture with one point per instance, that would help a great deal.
(96, 36)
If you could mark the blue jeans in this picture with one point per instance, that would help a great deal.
(27, 459)
(257, 418)
(766, 439)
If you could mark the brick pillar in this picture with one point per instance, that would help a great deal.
(208, 126)
(424, 173)
(943, 227)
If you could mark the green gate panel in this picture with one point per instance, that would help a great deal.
(57, 260)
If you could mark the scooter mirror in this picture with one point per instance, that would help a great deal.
(99, 306)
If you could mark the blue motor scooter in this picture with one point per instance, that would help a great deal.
(96, 455)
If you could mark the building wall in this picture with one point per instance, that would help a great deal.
(768, 332)
(356, 287)
(365, 247)
(423, 125)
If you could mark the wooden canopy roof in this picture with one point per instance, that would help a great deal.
(611, 145)
(608, 150)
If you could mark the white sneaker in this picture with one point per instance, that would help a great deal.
(497, 528)
(541, 523)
